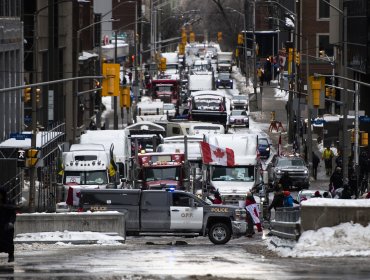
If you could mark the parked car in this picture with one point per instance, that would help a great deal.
(264, 147)
(224, 80)
(294, 165)
(239, 117)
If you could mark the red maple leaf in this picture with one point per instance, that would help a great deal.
(219, 153)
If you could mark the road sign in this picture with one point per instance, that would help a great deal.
(364, 119)
(20, 136)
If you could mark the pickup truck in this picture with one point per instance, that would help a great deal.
(163, 213)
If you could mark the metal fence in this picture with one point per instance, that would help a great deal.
(287, 223)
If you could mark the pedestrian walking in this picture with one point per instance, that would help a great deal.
(327, 156)
(252, 215)
(7, 220)
(261, 75)
(315, 164)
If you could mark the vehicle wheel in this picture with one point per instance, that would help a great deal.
(247, 125)
(219, 233)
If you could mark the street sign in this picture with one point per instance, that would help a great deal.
(20, 136)
(360, 113)
(364, 119)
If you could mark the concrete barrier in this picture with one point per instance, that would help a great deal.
(286, 223)
(50, 222)
(331, 212)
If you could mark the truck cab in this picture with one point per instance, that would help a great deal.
(166, 90)
(86, 166)
(160, 170)
(233, 182)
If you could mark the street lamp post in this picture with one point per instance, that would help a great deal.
(75, 93)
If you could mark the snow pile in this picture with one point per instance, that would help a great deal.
(344, 240)
(281, 94)
(336, 202)
(68, 237)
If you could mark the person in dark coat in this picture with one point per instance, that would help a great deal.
(336, 180)
(278, 200)
(7, 220)
(315, 164)
(285, 181)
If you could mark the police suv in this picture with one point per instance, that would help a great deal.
(163, 212)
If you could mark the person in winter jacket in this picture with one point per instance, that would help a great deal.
(289, 200)
(7, 220)
(278, 200)
(252, 215)
(315, 164)
(336, 180)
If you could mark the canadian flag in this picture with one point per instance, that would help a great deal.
(217, 155)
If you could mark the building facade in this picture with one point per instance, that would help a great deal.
(11, 68)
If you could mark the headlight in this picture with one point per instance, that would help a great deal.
(246, 119)
(263, 199)
(305, 172)
(267, 149)
(231, 81)
(218, 81)
(278, 171)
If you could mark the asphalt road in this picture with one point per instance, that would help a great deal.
(175, 258)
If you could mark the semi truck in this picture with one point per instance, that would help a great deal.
(224, 61)
(121, 147)
(85, 166)
(166, 90)
(209, 106)
(233, 182)
(166, 212)
(160, 170)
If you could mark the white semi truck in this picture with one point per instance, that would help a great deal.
(233, 182)
(224, 61)
(85, 166)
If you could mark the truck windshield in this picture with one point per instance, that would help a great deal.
(167, 173)
(96, 177)
(164, 88)
(235, 174)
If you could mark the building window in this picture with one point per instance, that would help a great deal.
(324, 45)
(323, 9)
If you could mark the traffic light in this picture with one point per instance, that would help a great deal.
(192, 37)
(110, 85)
(27, 94)
(352, 136)
(219, 36)
(316, 89)
(181, 49)
(125, 99)
(38, 95)
(184, 38)
(364, 138)
(240, 39)
(297, 58)
(32, 157)
(327, 92)
(333, 92)
(162, 65)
